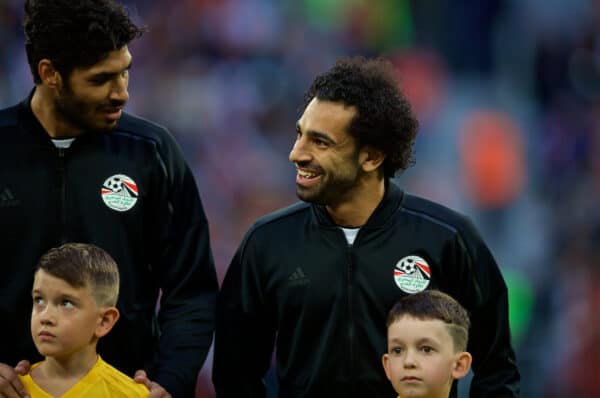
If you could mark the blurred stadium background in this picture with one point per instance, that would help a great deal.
(507, 93)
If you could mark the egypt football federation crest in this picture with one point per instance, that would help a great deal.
(412, 274)
(119, 192)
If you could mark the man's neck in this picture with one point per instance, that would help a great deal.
(57, 375)
(357, 206)
(45, 112)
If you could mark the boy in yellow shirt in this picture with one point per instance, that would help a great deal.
(427, 338)
(75, 292)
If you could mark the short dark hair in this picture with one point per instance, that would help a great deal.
(84, 265)
(384, 118)
(433, 304)
(74, 33)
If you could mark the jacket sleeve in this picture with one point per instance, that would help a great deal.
(245, 334)
(482, 290)
(183, 267)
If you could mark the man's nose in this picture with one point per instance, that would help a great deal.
(299, 152)
(119, 90)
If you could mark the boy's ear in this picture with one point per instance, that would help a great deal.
(108, 318)
(462, 364)
(385, 360)
(370, 158)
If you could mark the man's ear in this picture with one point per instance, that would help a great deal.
(462, 364)
(48, 74)
(370, 158)
(108, 318)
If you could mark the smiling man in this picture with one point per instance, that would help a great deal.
(74, 166)
(317, 279)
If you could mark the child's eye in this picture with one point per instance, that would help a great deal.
(396, 350)
(427, 349)
(38, 300)
(67, 304)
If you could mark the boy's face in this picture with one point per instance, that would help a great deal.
(64, 319)
(421, 361)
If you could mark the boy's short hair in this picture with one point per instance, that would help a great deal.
(433, 304)
(84, 265)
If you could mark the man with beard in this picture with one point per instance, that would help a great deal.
(317, 279)
(75, 167)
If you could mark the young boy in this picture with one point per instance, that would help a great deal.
(427, 338)
(74, 293)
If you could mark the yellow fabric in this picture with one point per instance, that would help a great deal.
(102, 381)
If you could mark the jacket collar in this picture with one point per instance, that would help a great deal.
(29, 121)
(390, 202)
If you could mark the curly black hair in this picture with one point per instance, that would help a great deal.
(384, 119)
(75, 34)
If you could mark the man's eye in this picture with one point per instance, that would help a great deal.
(98, 80)
(38, 300)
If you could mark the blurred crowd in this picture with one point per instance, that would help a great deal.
(507, 93)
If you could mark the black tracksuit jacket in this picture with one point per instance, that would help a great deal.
(51, 196)
(295, 281)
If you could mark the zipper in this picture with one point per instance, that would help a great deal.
(63, 195)
(351, 331)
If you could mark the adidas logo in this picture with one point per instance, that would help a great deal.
(7, 199)
(298, 277)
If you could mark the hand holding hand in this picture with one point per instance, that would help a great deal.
(156, 391)
(10, 385)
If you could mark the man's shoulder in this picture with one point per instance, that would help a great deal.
(9, 116)
(434, 212)
(141, 128)
(275, 228)
(282, 217)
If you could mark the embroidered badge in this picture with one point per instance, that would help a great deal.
(119, 192)
(412, 274)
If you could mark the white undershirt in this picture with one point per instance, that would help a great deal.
(63, 142)
(350, 234)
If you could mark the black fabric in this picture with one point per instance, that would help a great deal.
(295, 283)
(53, 196)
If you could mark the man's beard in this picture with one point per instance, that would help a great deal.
(78, 112)
(332, 191)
